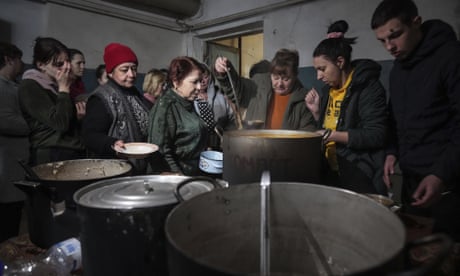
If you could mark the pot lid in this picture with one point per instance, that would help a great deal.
(138, 192)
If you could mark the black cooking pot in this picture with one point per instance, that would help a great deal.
(122, 222)
(313, 230)
(51, 210)
(289, 155)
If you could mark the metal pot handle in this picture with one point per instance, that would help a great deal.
(28, 187)
(426, 269)
(29, 171)
(192, 179)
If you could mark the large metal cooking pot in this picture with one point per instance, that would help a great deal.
(122, 222)
(289, 155)
(50, 208)
(314, 230)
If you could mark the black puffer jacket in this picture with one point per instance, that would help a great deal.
(364, 115)
(425, 102)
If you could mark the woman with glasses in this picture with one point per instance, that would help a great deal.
(116, 112)
(46, 104)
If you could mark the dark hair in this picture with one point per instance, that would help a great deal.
(285, 63)
(100, 70)
(8, 50)
(207, 70)
(404, 10)
(181, 67)
(262, 66)
(73, 52)
(47, 49)
(338, 45)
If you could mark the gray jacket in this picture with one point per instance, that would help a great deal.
(223, 113)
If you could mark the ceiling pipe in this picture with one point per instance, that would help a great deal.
(244, 14)
(162, 22)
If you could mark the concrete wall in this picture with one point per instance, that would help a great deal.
(89, 32)
(300, 26)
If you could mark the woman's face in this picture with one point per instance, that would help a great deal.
(124, 74)
(190, 85)
(328, 71)
(51, 68)
(205, 81)
(77, 65)
(103, 79)
(282, 84)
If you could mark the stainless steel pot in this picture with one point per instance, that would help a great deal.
(122, 222)
(50, 207)
(289, 155)
(314, 230)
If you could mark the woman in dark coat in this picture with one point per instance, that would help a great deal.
(116, 113)
(352, 114)
(44, 97)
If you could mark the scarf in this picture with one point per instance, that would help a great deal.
(42, 79)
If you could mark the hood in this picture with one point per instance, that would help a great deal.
(365, 69)
(435, 34)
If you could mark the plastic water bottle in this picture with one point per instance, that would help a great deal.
(60, 259)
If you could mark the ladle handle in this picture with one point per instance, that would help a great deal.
(29, 171)
(265, 224)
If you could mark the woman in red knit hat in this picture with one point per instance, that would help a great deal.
(116, 113)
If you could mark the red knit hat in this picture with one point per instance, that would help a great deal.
(115, 54)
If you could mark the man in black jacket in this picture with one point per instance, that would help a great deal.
(425, 108)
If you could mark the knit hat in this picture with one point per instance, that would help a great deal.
(115, 54)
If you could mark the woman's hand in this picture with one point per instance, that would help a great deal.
(81, 109)
(312, 102)
(220, 65)
(119, 145)
(63, 78)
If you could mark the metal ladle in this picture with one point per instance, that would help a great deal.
(265, 224)
(235, 105)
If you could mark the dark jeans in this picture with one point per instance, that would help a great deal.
(445, 212)
(10, 213)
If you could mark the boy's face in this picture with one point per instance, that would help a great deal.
(398, 38)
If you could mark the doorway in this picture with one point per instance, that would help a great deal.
(243, 51)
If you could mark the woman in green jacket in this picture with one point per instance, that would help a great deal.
(44, 97)
(174, 125)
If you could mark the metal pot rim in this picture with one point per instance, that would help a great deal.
(142, 191)
(272, 134)
(125, 167)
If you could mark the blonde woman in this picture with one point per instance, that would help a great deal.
(153, 85)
